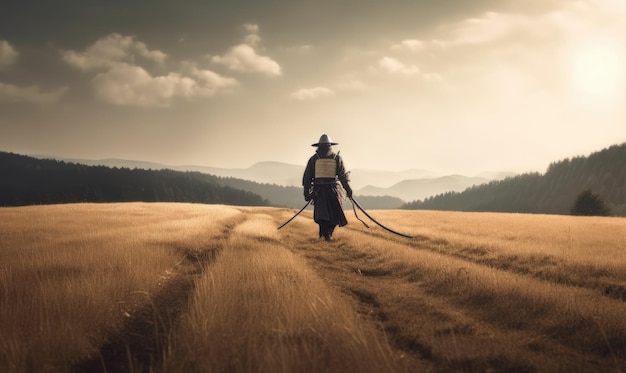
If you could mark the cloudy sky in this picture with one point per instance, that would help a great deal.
(450, 86)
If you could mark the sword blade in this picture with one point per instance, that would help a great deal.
(376, 221)
(298, 213)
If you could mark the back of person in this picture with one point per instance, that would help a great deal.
(323, 178)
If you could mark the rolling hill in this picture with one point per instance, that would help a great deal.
(410, 190)
(384, 188)
(554, 192)
(26, 181)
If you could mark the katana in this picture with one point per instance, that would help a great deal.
(355, 203)
(357, 215)
(298, 213)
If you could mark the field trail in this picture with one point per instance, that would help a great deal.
(419, 325)
(449, 311)
(142, 343)
(261, 307)
(197, 288)
(267, 300)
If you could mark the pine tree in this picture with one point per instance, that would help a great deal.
(589, 203)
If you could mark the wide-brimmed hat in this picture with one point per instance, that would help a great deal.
(324, 139)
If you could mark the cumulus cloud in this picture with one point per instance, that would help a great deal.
(112, 49)
(121, 80)
(8, 54)
(529, 42)
(481, 43)
(129, 85)
(556, 25)
(409, 45)
(211, 80)
(253, 37)
(244, 57)
(519, 54)
(312, 93)
(490, 29)
(393, 66)
(539, 48)
(126, 84)
(251, 28)
(32, 94)
(487, 28)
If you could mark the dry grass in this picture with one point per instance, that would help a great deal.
(70, 275)
(583, 251)
(453, 260)
(472, 292)
(512, 300)
(260, 308)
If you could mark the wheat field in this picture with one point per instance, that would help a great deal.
(212, 288)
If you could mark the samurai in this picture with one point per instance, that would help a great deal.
(324, 181)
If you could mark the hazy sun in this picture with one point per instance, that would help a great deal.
(598, 70)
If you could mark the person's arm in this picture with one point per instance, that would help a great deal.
(307, 178)
(344, 177)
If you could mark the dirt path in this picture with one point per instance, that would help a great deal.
(427, 331)
(142, 342)
(144, 337)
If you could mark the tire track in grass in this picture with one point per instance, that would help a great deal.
(143, 341)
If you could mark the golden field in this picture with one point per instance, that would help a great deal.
(211, 288)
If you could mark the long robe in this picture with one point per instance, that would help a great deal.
(326, 191)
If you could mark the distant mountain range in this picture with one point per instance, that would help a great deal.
(411, 190)
(261, 172)
(28, 180)
(408, 185)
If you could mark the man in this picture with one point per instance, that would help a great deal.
(323, 173)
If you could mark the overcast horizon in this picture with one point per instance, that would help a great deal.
(451, 87)
(427, 173)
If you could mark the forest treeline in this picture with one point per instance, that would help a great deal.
(278, 195)
(553, 192)
(26, 181)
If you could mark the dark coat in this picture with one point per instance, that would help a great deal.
(326, 191)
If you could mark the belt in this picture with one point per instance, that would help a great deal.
(325, 181)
